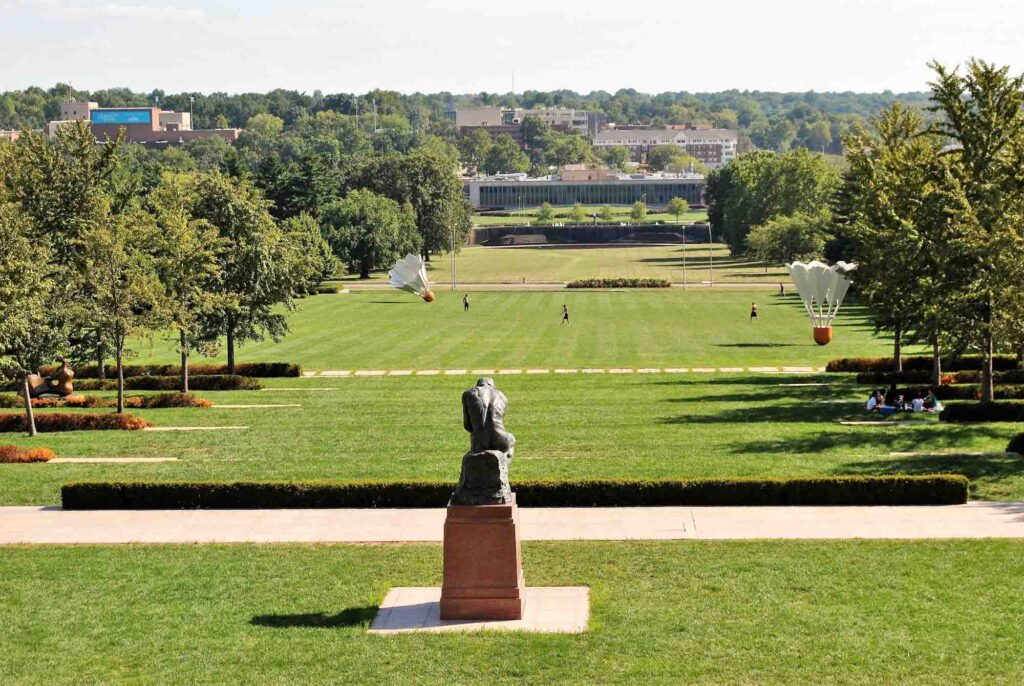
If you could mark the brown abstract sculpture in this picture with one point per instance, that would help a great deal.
(483, 574)
(58, 384)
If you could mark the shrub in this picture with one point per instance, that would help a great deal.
(1003, 411)
(66, 421)
(1016, 445)
(164, 400)
(841, 490)
(254, 369)
(211, 382)
(919, 363)
(328, 289)
(14, 454)
(619, 283)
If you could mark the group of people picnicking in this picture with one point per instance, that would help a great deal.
(892, 402)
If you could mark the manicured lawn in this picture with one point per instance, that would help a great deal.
(567, 426)
(944, 612)
(553, 264)
(664, 328)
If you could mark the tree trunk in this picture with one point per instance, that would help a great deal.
(987, 389)
(936, 362)
(120, 377)
(231, 346)
(30, 418)
(364, 270)
(897, 350)
(184, 362)
(101, 363)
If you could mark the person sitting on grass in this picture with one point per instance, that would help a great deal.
(917, 404)
(875, 402)
(932, 404)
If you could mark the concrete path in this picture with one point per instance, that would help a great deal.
(349, 373)
(52, 525)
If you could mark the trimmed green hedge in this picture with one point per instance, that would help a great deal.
(619, 283)
(211, 382)
(254, 369)
(967, 376)
(940, 489)
(918, 363)
(1002, 411)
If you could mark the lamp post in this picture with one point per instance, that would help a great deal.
(454, 281)
(711, 258)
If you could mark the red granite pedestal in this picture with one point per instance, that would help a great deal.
(483, 574)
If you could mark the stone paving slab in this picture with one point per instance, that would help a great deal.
(194, 428)
(546, 609)
(252, 407)
(588, 370)
(55, 526)
(110, 460)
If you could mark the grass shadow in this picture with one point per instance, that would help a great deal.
(912, 438)
(991, 468)
(352, 616)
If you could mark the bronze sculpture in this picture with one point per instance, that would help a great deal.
(484, 476)
(58, 384)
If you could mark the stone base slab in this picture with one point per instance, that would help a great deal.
(547, 609)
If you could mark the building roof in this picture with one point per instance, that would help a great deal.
(663, 135)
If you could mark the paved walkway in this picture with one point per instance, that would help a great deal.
(349, 373)
(52, 525)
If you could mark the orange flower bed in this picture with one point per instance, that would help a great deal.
(14, 454)
(64, 421)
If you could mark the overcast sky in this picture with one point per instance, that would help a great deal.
(475, 45)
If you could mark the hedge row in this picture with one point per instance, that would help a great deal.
(66, 421)
(212, 382)
(941, 489)
(12, 454)
(160, 400)
(1002, 411)
(919, 363)
(619, 283)
(1012, 376)
(253, 369)
(1016, 445)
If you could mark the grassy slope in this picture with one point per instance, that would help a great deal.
(557, 264)
(724, 612)
(395, 330)
(570, 426)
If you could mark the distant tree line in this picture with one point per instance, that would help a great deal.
(765, 120)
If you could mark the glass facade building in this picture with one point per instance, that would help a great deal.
(522, 194)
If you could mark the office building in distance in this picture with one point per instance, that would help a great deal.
(509, 120)
(150, 126)
(587, 187)
(712, 147)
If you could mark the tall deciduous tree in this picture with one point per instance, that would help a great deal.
(368, 231)
(982, 116)
(892, 169)
(784, 239)
(185, 250)
(257, 278)
(127, 289)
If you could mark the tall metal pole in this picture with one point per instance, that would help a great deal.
(453, 258)
(684, 258)
(711, 257)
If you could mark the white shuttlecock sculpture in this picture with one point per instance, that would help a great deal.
(410, 274)
(822, 289)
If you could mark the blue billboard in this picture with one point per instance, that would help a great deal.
(121, 116)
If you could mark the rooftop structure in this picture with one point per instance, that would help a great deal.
(712, 147)
(508, 120)
(146, 125)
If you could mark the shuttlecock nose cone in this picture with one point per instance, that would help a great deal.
(428, 296)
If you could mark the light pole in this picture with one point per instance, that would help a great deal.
(454, 281)
(711, 257)
(191, 99)
(684, 258)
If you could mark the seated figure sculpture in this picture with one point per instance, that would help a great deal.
(484, 477)
(58, 384)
